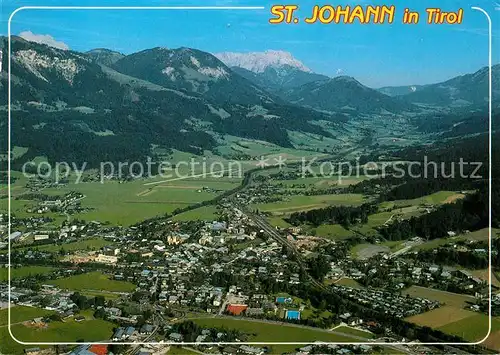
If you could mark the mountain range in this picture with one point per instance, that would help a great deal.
(102, 105)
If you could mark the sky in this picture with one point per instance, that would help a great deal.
(375, 54)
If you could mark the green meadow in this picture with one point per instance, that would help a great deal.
(20, 272)
(92, 281)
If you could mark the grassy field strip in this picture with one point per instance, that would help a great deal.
(448, 298)
(436, 198)
(303, 202)
(21, 314)
(441, 316)
(92, 281)
(475, 328)
(86, 244)
(132, 201)
(24, 272)
(479, 235)
(262, 331)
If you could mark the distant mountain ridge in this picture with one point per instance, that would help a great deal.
(274, 71)
(258, 62)
(68, 106)
(461, 91)
(105, 56)
(106, 106)
(346, 94)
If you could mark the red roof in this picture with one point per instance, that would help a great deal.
(236, 309)
(99, 349)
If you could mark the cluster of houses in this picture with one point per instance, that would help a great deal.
(387, 302)
(401, 273)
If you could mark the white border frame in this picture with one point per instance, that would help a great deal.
(233, 343)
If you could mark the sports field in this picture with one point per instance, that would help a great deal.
(92, 281)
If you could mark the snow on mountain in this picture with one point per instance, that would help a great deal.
(257, 62)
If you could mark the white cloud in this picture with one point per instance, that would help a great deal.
(44, 39)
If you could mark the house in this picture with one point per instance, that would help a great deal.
(146, 329)
(251, 350)
(106, 259)
(94, 349)
(254, 311)
(113, 311)
(200, 338)
(129, 331)
(15, 236)
(99, 349)
(175, 337)
(119, 334)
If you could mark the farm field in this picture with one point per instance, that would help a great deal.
(24, 271)
(333, 231)
(493, 341)
(448, 298)
(345, 281)
(436, 198)
(320, 182)
(135, 201)
(304, 203)
(86, 244)
(484, 275)
(355, 332)
(21, 314)
(130, 202)
(270, 332)
(366, 251)
(474, 328)
(441, 316)
(92, 281)
(481, 234)
(88, 330)
(256, 148)
(278, 222)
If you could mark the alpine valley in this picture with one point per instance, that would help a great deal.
(127, 107)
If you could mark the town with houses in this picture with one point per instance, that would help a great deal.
(163, 274)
